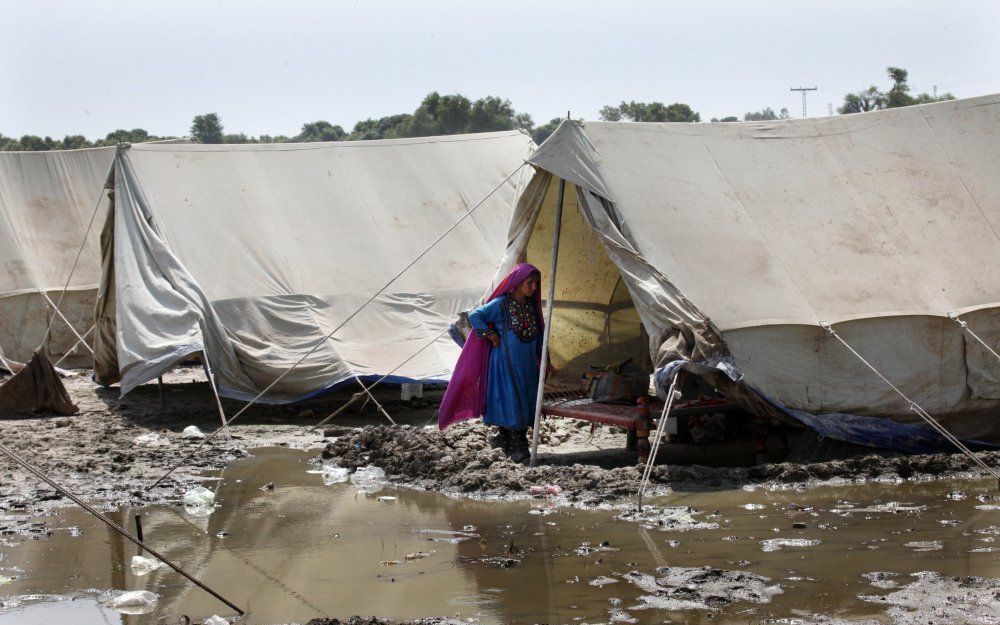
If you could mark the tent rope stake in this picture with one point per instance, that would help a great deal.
(65, 493)
(661, 427)
(915, 407)
(367, 389)
(79, 338)
(354, 314)
(965, 326)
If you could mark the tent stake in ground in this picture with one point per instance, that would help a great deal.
(543, 365)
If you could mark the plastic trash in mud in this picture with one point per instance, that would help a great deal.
(215, 619)
(386, 498)
(777, 544)
(388, 563)
(199, 496)
(199, 501)
(335, 475)
(142, 566)
(418, 555)
(450, 536)
(6, 580)
(548, 489)
(602, 581)
(152, 439)
(135, 602)
(192, 431)
(370, 479)
(925, 545)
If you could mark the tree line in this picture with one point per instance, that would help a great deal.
(456, 114)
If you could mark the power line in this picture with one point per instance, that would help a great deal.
(803, 90)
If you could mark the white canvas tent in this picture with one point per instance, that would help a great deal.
(733, 242)
(47, 200)
(252, 254)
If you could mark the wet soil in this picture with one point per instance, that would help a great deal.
(289, 543)
(459, 461)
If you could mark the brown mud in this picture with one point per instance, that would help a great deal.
(459, 461)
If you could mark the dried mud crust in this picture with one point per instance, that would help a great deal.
(459, 461)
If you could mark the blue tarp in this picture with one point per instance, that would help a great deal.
(876, 432)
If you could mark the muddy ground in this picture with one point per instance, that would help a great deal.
(116, 448)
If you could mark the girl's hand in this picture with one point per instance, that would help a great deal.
(494, 338)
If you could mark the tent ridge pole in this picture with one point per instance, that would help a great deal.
(543, 365)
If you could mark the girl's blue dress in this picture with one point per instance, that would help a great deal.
(512, 381)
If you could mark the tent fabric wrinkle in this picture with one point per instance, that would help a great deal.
(255, 253)
(46, 202)
(736, 241)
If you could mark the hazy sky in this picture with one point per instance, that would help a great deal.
(267, 67)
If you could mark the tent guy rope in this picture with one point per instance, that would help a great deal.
(661, 427)
(354, 314)
(79, 338)
(37, 473)
(367, 389)
(915, 407)
(965, 326)
(69, 278)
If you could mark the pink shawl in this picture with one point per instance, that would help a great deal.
(465, 397)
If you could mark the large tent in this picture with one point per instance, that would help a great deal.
(47, 200)
(734, 243)
(253, 254)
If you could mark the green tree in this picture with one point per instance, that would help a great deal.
(872, 99)
(207, 128)
(730, 118)
(764, 115)
(650, 112)
(34, 143)
(321, 131)
(136, 135)
(370, 129)
(491, 113)
(9, 143)
(75, 142)
(543, 132)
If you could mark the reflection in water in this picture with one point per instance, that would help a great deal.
(306, 549)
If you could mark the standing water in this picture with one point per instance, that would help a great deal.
(287, 545)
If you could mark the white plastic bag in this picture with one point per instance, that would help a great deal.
(141, 566)
(199, 496)
(135, 602)
(192, 431)
(335, 475)
(370, 479)
(215, 619)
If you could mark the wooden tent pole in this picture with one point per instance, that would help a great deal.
(543, 366)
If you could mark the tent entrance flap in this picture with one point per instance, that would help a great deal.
(594, 318)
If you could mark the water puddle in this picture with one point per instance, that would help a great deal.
(289, 542)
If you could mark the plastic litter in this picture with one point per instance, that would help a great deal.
(548, 489)
(5, 580)
(418, 555)
(388, 562)
(370, 479)
(152, 439)
(387, 498)
(199, 496)
(215, 619)
(192, 431)
(135, 601)
(141, 566)
(335, 475)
